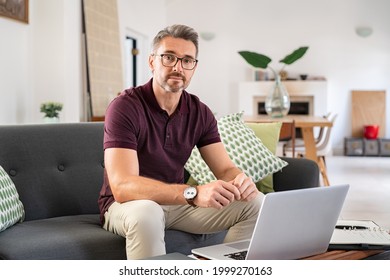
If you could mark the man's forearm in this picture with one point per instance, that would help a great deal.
(230, 174)
(138, 188)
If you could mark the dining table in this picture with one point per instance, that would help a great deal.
(307, 124)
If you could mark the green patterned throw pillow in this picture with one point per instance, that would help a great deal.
(244, 148)
(11, 208)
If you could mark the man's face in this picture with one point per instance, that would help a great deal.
(172, 78)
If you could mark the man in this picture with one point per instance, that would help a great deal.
(149, 134)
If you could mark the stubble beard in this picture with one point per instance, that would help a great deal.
(174, 86)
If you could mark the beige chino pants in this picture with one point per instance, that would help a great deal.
(143, 223)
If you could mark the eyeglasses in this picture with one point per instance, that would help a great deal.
(170, 60)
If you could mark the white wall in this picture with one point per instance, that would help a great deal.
(14, 71)
(42, 60)
(141, 19)
(275, 28)
(56, 57)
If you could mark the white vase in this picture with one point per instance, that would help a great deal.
(51, 120)
(277, 103)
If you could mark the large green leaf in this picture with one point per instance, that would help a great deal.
(255, 59)
(294, 56)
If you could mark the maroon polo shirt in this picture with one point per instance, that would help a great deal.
(134, 120)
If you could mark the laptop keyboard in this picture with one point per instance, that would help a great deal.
(238, 255)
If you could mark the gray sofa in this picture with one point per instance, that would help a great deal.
(58, 172)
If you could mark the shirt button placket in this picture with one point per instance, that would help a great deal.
(168, 141)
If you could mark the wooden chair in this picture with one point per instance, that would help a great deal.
(323, 146)
(287, 133)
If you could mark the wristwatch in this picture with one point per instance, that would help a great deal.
(189, 194)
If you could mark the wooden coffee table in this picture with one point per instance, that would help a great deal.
(348, 255)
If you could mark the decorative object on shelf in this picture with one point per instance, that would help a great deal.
(303, 77)
(277, 103)
(371, 131)
(260, 75)
(283, 75)
(51, 111)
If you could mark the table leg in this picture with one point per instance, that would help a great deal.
(310, 144)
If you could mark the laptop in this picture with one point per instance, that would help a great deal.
(291, 225)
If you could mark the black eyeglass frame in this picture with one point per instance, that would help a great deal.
(177, 59)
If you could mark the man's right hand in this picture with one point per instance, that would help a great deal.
(217, 194)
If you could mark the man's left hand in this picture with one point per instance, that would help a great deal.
(246, 187)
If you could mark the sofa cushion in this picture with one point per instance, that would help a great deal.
(244, 148)
(64, 238)
(11, 208)
(269, 135)
(82, 237)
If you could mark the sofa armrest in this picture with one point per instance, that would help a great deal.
(298, 174)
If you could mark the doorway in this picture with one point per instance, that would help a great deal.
(136, 53)
(131, 61)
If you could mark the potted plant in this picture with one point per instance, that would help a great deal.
(277, 103)
(51, 111)
(258, 60)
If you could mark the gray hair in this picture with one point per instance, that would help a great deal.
(177, 31)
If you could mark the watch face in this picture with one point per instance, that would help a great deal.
(190, 193)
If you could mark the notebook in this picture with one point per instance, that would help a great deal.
(359, 235)
(291, 225)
